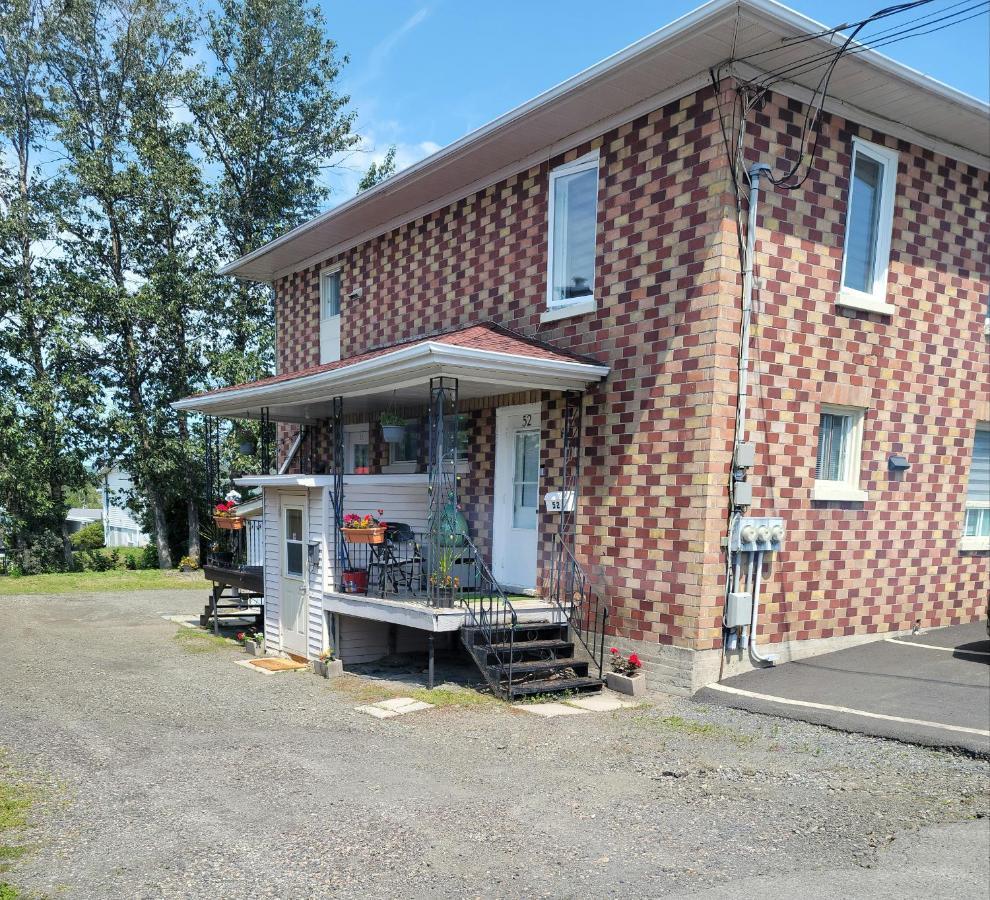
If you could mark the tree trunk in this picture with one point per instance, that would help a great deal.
(161, 530)
(192, 517)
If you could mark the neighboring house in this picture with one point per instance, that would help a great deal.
(563, 287)
(120, 527)
(79, 517)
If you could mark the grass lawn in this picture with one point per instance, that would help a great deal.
(114, 581)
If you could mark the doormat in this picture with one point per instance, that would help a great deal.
(275, 664)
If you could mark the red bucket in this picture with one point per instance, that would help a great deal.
(355, 581)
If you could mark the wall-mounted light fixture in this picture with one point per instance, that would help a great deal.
(898, 463)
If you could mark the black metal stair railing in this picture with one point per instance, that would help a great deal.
(584, 609)
(492, 619)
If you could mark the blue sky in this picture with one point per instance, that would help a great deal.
(422, 74)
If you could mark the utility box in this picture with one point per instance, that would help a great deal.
(745, 455)
(738, 609)
(742, 493)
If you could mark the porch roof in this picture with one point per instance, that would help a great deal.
(486, 360)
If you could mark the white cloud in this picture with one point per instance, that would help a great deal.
(372, 148)
(380, 53)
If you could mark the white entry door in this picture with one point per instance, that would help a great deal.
(517, 491)
(293, 601)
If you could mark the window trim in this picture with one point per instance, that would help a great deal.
(974, 541)
(324, 274)
(588, 302)
(847, 488)
(876, 300)
(286, 509)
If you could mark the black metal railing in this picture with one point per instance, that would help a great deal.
(492, 621)
(583, 607)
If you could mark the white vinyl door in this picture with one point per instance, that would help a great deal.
(294, 597)
(517, 491)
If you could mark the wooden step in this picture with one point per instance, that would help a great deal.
(582, 685)
(521, 670)
(524, 651)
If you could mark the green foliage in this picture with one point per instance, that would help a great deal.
(106, 558)
(89, 537)
(378, 172)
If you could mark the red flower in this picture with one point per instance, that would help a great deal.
(634, 660)
(613, 650)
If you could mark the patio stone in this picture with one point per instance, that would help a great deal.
(600, 703)
(377, 712)
(397, 706)
(549, 710)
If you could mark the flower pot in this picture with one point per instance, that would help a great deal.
(633, 685)
(254, 648)
(393, 434)
(364, 535)
(229, 523)
(354, 581)
(331, 668)
(246, 448)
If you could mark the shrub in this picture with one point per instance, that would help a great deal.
(89, 537)
(149, 557)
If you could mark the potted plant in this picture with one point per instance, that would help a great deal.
(253, 641)
(225, 517)
(328, 666)
(626, 676)
(364, 529)
(393, 427)
(188, 564)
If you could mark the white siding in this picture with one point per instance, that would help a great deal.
(361, 640)
(273, 570)
(403, 498)
(317, 521)
(120, 526)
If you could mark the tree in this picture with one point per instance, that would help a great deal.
(116, 66)
(378, 172)
(269, 116)
(45, 392)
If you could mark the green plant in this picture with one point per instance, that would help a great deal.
(188, 562)
(89, 537)
(328, 655)
(391, 418)
(149, 557)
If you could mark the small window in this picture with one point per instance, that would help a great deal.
(839, 444)
(407, 450)
(329, 295)
(976, 526)
(573, 231)
(869, 222)
(293, 543)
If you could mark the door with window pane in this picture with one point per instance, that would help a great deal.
(517, 492)
(293, 599)
(329, 317)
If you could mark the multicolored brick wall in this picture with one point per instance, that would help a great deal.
(922, 374)
(658, 433)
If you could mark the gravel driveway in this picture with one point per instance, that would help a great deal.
(168, 773)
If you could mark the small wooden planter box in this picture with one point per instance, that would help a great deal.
(364, 535)
(254, 648)
(328, 668)
(229, 523)
(633, 685)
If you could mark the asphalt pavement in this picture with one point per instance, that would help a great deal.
(932, 688)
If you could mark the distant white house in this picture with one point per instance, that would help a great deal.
(120, 527)
(81, 516)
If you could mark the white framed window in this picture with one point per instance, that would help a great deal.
(293, 539)
(572, 238)
(869, 224)
(976, 523)
(840, 443)
(330, 315)
(357, 449)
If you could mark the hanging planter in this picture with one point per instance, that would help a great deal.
(225, 518)
(393, 427)
(363, 529)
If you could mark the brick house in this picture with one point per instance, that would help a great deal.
(551, 310)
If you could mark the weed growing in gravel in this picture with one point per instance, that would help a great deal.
(195, 641)
(458, 697)
(16, 799)
(367, 691)
(687, 726)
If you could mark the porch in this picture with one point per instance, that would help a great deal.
(445, 440)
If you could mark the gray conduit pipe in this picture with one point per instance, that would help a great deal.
(753, 652)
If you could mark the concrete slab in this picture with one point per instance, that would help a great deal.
(549, 710)
(937, 695)
(600, 703)
(377, 712)
(396, 706)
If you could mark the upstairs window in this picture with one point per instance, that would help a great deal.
(840, 436)
(976, 526)
(330, 316)
(869, 223)
(573, 231)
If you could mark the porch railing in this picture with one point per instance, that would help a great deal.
(492, 622)
(583, 607)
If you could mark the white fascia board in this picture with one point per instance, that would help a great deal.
(402, 368)
(285, 481)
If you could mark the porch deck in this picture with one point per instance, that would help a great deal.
(413, 612)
